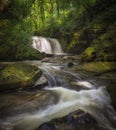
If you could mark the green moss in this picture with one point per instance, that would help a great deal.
(99, 67)
(89, 51)
(18, 75)
(74, 40)
(18, 72)
(97, 27)
(88, 54)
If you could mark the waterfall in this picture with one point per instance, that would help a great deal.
(56, 47)
(47, 45)
(42, 44)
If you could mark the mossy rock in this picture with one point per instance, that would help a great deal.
(112, 91)
(14, 76)
(106, 71)
(98, 67)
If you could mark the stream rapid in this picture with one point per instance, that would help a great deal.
(73, 92)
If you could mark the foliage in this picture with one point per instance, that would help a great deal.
(62, 19)
(97, 30)
(17, 72)
(89, 52)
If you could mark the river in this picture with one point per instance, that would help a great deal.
(66, 92)
(72, 91)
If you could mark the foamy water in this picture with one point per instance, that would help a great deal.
(91, 101)
(47, 45)
(95, 101)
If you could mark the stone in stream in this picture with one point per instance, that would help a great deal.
(17, 76)
(16, 107)
(77, 120)
(15, 103)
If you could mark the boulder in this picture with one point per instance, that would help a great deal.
(16, 103)
(96, 67)
(77, 120)
(18, 75)
(41, 82)
(22, 109)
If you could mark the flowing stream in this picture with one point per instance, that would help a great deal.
(73, 93)
(84, 95)
(66, 92)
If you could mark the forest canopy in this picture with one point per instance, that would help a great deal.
(20, 19)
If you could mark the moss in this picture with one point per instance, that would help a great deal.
(74, 40)
(88, 54)
(18, 75)
(99, 67)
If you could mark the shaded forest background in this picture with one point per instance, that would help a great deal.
(85, 27)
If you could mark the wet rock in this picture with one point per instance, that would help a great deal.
(112, 91)
(47, 59)
(41, 82)
(25, 102)
(70, 64)
(71, 57)
(15, 76)
(78, 120)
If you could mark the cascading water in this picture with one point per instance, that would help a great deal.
(71, 93)
(56, 47)
(47, 45)
(94, 100)
(41, 44)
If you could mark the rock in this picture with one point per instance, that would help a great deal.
(41, 82)
(110, 76)
(78, 120)
(71, 57)
(22, 109)
(70, 64)
(18, 75)
(96, 67)
(112, 91)
(16, 103)
(45, 59)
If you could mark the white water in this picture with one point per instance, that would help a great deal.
(56, 47)
(96, 102)
(47, 45)
(41, 44)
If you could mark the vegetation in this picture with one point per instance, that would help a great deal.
(78, 24)
(86, 28)
(99, 67)
(18, 76)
